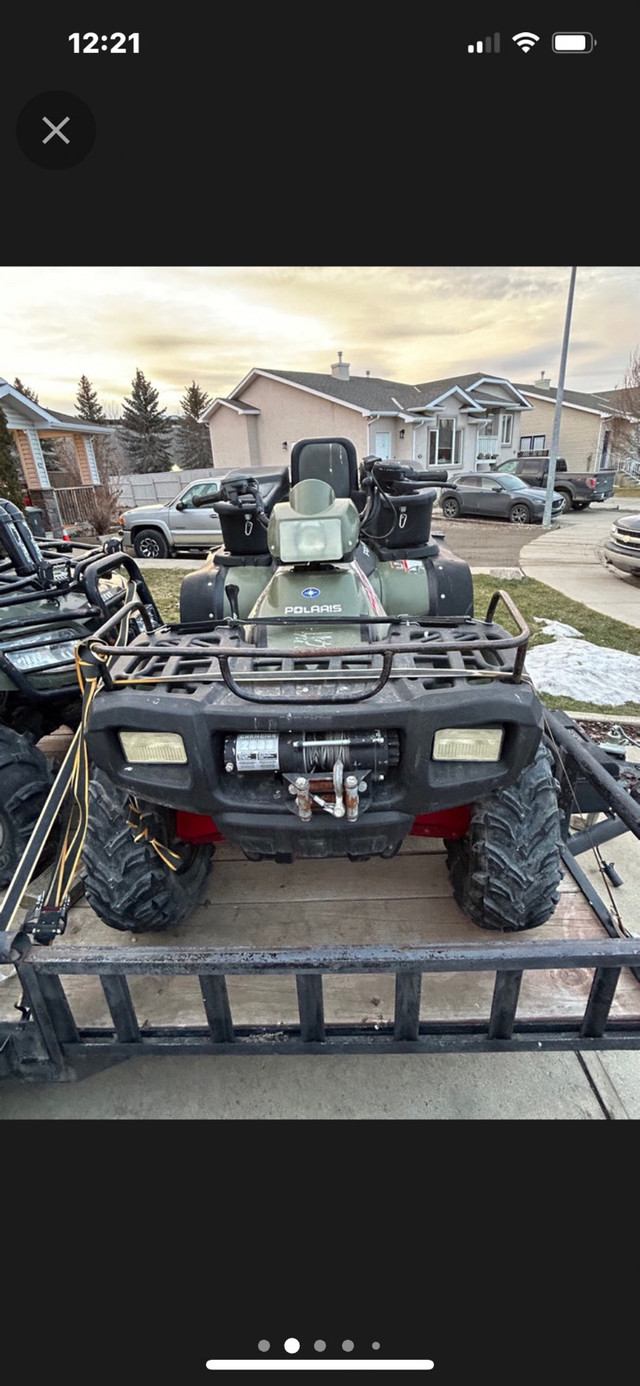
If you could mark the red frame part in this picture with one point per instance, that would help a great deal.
(197, 828)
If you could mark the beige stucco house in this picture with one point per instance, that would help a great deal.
(460, 422)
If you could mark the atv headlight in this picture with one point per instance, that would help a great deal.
(468, 743)
(25, 654)
(311, 541)
(153, 748)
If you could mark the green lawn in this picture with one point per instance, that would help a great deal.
(536, 599)
(531, 597)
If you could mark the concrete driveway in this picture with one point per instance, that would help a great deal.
(569, 558)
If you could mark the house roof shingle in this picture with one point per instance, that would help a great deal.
(373, 394)
(578, 397)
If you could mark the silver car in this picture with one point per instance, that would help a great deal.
(180, 526)
(487, 496)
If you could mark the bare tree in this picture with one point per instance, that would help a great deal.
(625, 429)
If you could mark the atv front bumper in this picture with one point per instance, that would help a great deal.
(257, 808)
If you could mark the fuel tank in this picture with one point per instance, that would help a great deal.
(338, 589)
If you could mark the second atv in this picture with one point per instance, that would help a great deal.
(52, 595)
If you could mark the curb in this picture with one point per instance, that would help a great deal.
(608, 717)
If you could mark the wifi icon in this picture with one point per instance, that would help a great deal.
(526, 41)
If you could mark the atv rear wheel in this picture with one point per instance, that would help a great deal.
(26, 780)
(126, 882)
(506, 869)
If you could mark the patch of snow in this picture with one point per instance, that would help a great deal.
(574, 668)
(557, 628)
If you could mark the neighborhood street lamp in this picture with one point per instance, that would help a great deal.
(557, 418)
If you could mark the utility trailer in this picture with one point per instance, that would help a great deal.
(252, 982)
(330, 701)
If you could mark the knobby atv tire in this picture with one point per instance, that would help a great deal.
(26, 779)
(506, 869)
(128, 885)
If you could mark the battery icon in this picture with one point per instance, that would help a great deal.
(573, 43)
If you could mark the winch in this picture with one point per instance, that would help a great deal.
(306, 753)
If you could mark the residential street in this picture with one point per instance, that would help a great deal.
(495, 543)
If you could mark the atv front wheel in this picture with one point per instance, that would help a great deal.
(126, 882)
(26, 780)
(506, 869)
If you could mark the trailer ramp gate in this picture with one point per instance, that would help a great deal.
(48, 1043)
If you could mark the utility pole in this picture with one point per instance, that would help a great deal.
(557, 418)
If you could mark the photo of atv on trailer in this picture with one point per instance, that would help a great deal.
(284, 731)
(327, 692)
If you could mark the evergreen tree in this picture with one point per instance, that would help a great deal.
(10, 485)
(87, 405)
(47, 444)
(193, 442)
(25, 390)
(144, 428)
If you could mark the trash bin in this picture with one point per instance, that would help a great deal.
(35, 520)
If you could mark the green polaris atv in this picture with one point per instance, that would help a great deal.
(327, 692)
(52, 594)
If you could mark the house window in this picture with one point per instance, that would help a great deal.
(532, 443)
(445, 444)
(507, 428)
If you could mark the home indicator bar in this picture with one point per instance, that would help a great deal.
(319, 1365)
(488, 45)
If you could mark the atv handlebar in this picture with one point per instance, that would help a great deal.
(398, 478)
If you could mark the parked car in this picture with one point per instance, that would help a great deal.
(493, 497)
(181, 526)
(622, 549)
(579, 489)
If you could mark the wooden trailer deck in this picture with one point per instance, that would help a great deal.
(405, 902)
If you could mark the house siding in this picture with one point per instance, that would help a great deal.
(580, 434)
(230, 440)
(286, 415)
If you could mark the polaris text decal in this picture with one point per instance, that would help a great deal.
(333, 609)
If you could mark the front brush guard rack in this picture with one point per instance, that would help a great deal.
(440, 648)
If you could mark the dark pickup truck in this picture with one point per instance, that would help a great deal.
(578, 488)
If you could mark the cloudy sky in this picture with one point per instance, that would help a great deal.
(213, 324)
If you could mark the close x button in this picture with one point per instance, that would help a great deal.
(56, 129)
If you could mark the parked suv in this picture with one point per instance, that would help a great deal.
(493, 497)
(622, 550)
(184, 525)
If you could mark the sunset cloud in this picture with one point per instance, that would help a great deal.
(213, 324)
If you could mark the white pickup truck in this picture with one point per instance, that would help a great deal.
(180, 526)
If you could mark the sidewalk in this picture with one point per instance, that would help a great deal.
(569, 559)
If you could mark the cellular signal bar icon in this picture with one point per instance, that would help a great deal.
(488, 45)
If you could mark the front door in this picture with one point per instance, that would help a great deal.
(382, 446)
